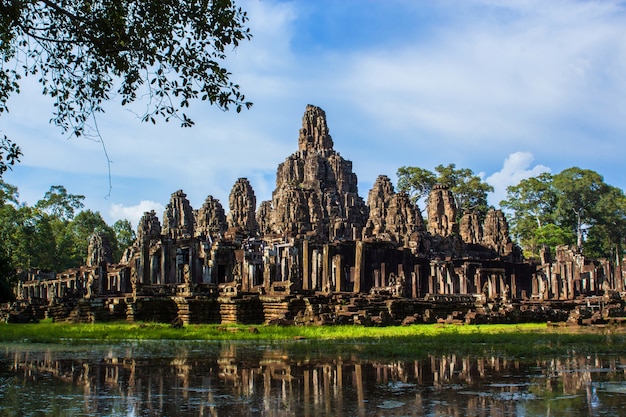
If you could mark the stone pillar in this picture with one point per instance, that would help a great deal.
(339, 284)
(143, 273)
(358, 267)
(326, 269)
(415, 282)
(315, 271)
(431, 278)
(306, 275)
(165, 272)
(513, 294)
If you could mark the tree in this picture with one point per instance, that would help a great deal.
(531, 205)
(579, 191)
(469, 190)
(78, 233)
(124, 235)
(8, 193)
(606, 237)
(573, 207)
(9, 153)
(416, 182)
(84, 53)
(58, 203)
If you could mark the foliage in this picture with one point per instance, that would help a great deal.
(9, 153)
(531, 206)
(470, 191)
(574, 207)
(7, 277)
(58, 203)
(52, 235)
(78, 232)
(124, 236)
(415, 181)
(84, 53)
(579, 191)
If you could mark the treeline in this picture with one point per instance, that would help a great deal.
(51, 235)
(574, 207)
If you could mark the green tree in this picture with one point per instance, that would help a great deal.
(77, 233)
(606, 236)
(531, 207)
(124, 235)
(9, 153)
(7, 278)
(416, 182)
(8, 193)
(59, 204)
(573, 207)
(470, 191)
(85, 52)
(579, 191)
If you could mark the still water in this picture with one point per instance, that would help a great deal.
(237, 379)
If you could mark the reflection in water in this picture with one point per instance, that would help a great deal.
(237, 379)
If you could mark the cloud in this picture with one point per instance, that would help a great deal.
(416, 84)
(504, 72)
(516, 167)
(134, 213)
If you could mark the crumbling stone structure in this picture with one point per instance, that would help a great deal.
(317, 253)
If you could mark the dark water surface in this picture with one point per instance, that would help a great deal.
(239, 379)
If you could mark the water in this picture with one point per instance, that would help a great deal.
(237, 379)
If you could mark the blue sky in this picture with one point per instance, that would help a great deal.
(508, 89)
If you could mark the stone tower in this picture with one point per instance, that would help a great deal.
(178, 217)
(99, 250)
(210, 219)
(242, 203)
(149, 227)
(441, 212)
(392, 216)
(496, 233)
(316, 191)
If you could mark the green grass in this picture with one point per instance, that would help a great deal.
(522, 340)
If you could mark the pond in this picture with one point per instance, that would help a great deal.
(251, 379)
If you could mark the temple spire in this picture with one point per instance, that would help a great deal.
(314, 134)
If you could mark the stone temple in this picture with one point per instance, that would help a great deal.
(318, 253)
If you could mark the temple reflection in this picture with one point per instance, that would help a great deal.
(236, 380)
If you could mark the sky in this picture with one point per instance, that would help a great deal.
(506, 88)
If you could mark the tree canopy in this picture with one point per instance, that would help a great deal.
(51, 235)
(470, 191)
(574, 207)
(84, 53)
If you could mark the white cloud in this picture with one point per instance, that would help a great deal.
(504, 79)
(134, 213)
(479, 81)
(516, 167)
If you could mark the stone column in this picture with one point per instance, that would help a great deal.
(306, 275)
(513, 294)
(325, 269)
(339, 284)
(415, 282)
(358, 267)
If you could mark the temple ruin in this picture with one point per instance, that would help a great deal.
(317, 253)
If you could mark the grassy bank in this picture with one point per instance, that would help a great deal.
(523, 340)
